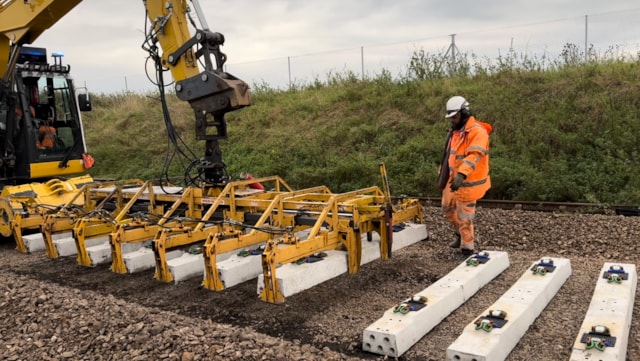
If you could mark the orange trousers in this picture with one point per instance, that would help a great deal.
(461, 215)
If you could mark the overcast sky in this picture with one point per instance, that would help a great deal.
(101, 39)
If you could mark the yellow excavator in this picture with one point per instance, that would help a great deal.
(34, 93)
(47, 192)
(42, 147)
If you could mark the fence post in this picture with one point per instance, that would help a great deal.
(586, 41)
(362, 60)
(289, 67)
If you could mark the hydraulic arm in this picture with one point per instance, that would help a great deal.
(22, 22)
(178, 43)
(211, 92)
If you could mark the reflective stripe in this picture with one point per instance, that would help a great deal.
(466, 216)
(473, 184)
(448, 208)
(475, 147)
(470, 164)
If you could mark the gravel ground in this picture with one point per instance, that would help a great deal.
(57, 310)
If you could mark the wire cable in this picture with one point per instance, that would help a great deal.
(177, 149)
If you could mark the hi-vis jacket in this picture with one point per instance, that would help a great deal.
(469, 155)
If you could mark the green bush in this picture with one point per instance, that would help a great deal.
(562, 131)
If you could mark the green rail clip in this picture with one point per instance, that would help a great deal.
(599, 338)
(543, 267)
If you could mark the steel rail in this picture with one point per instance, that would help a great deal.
(569, 207)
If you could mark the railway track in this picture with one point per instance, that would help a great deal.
(588, 208)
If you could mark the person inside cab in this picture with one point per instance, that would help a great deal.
(46, 134)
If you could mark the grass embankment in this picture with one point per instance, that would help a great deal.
(562, 135)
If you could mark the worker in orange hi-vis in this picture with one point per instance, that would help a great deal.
(464, 172)
(46, 135)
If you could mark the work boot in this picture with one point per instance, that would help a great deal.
(468, 252)
(456, 243)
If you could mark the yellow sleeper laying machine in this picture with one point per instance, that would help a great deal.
(49, 203)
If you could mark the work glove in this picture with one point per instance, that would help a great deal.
(457, 181)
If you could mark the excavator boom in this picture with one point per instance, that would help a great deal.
(24, 21)
(211, 92)
(38, 100)
(191, 52)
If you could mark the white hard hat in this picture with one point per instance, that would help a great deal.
(455, 104)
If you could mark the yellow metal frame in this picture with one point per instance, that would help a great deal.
(219, 243)
(100, 224)
(24, 207)
(90, 198)
(51, 169)
(214, 220)
(341, 224)
(136, 230)
(233, 201)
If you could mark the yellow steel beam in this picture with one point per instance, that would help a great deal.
(90, 198)
(128, 233)
(87, 228)
(214, 245)
(172, 237)
(335, 231)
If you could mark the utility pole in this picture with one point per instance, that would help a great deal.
(586, 38)
(451, 52)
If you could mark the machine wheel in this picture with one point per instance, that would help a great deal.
(6, 215)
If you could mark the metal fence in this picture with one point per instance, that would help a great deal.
(604, 36)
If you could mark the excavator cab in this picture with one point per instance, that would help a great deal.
(45, 137)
